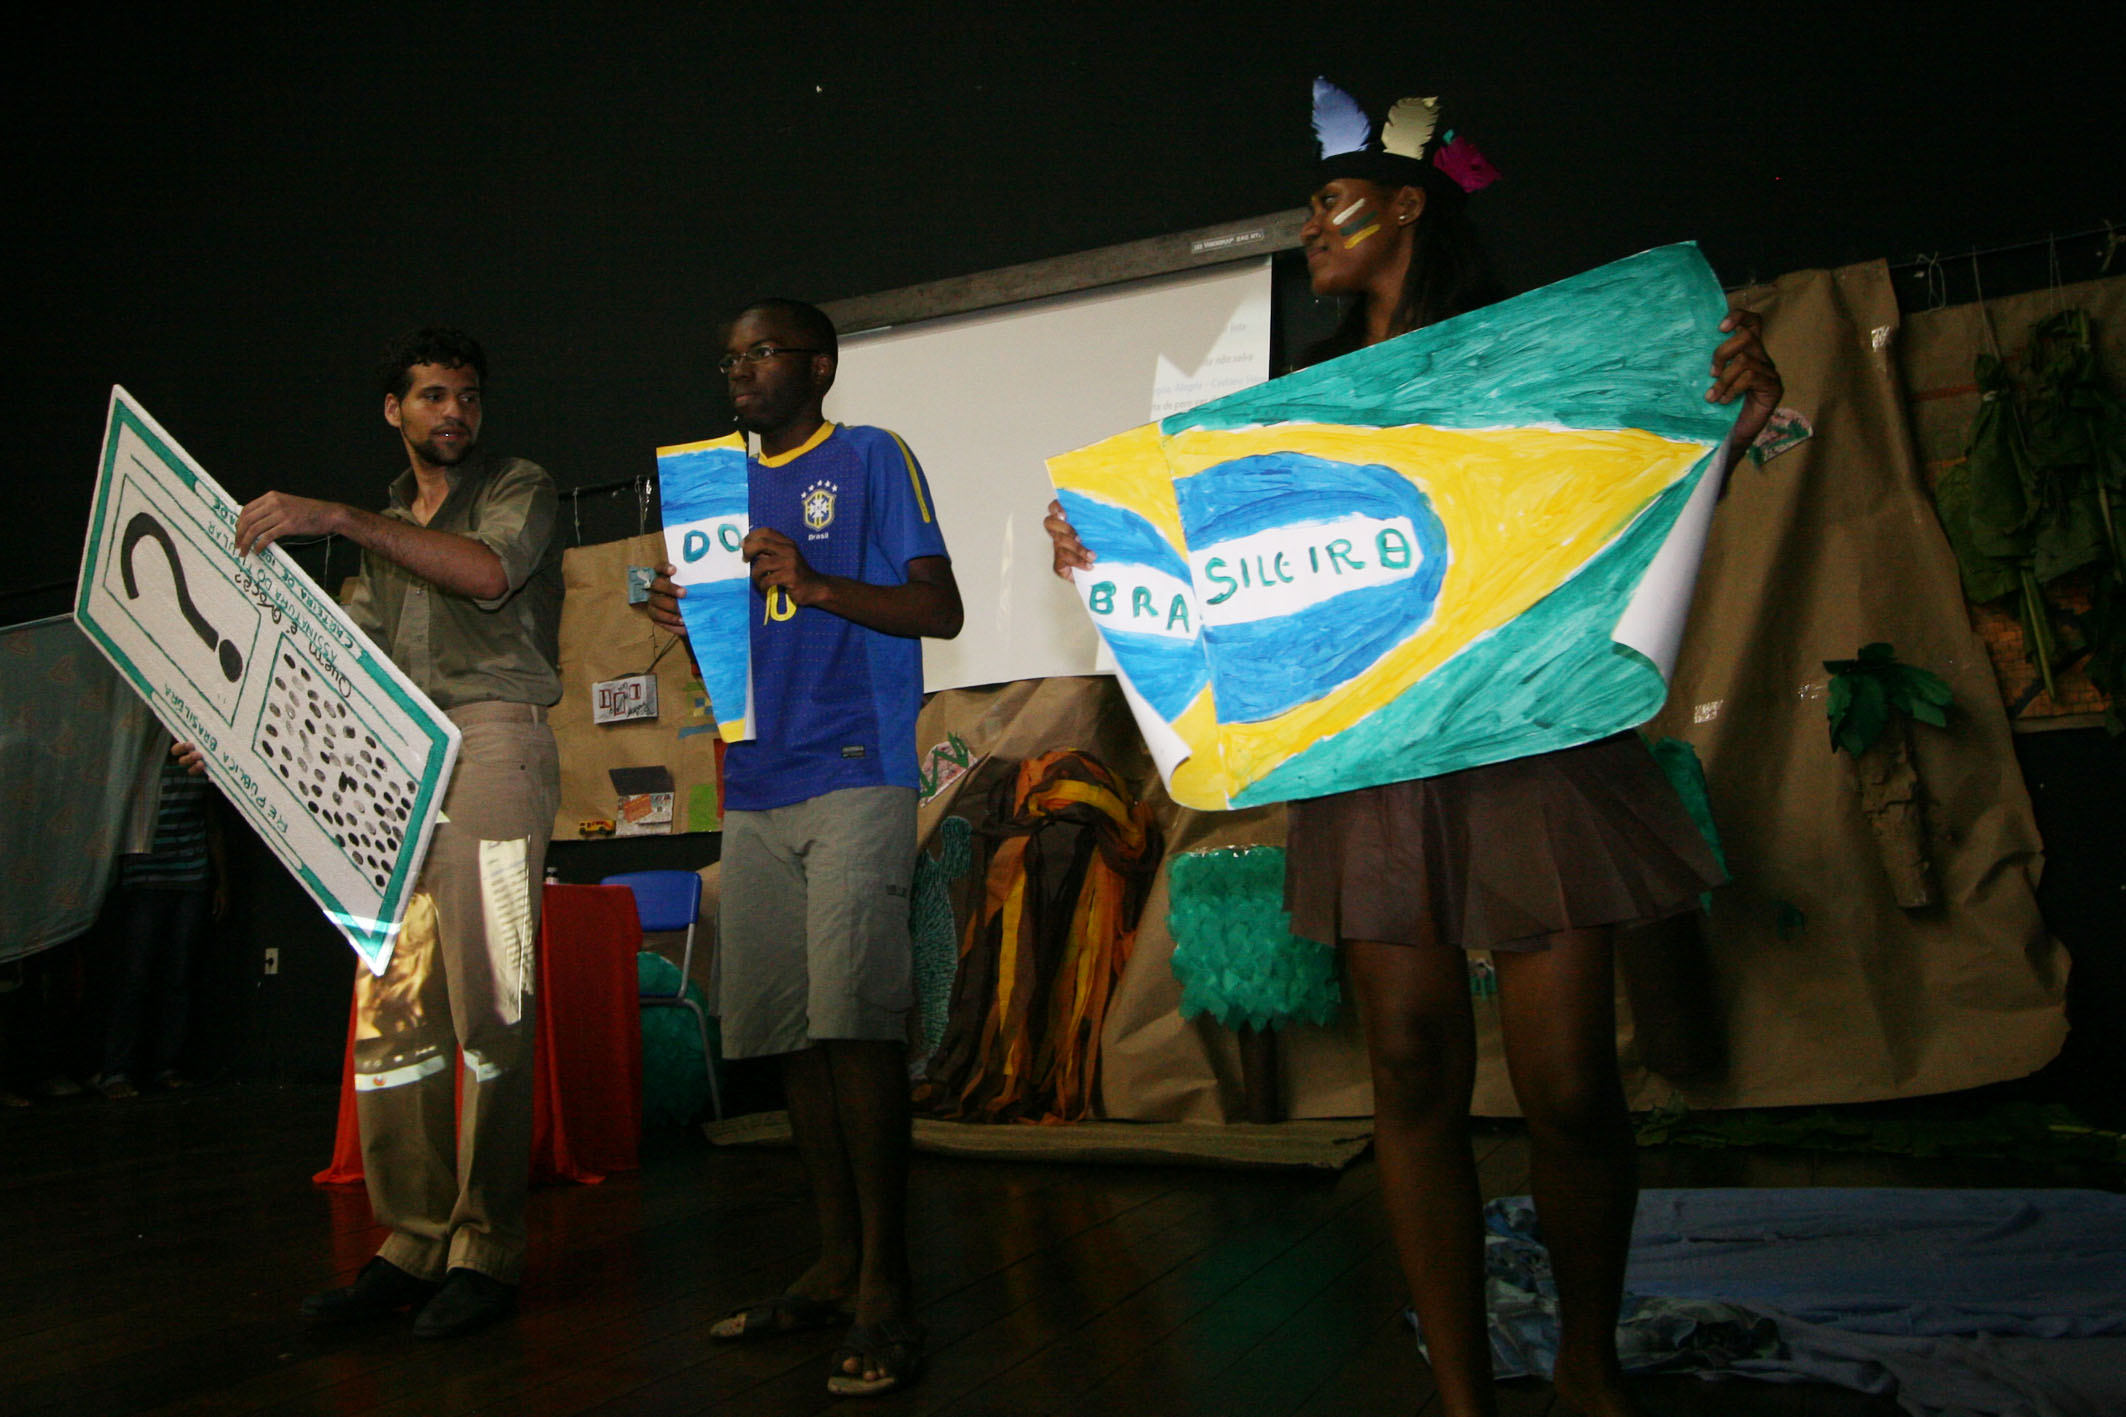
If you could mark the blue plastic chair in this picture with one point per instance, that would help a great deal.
(671, 901)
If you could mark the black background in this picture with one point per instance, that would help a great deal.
(229, 209)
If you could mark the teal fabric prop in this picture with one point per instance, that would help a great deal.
(933, 936)
(78, 748)
(1483, 977)
(1679, 760)
(675, 1088)
(1234, 950)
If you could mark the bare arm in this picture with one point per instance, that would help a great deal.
(443, 558)
(1743, 368)
(927, 605)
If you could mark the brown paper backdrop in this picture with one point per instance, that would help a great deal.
(603, 637)
(1821, 551)
(1936, 358)
(1828, 547)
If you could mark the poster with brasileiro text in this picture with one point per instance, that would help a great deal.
(317, 738)
(1471, 543)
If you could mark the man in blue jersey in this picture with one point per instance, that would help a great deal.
(849, 572)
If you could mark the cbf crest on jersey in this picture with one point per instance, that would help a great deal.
(819, 505)
(1472, 543)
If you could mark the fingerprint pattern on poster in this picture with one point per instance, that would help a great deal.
(350, 784)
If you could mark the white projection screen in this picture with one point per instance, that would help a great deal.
(985, 398)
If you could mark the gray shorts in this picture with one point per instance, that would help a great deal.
(813, 929)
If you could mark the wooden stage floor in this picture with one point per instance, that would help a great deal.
(152, 1254)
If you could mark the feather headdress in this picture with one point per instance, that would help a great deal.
(1411, 148)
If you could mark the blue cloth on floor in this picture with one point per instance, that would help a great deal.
(1959, 1303)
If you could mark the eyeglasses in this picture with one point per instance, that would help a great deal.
(759, 352)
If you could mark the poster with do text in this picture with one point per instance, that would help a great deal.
(324, 746)
(703, 487)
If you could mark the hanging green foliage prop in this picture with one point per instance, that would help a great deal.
(2040, 495)
(2078, 442)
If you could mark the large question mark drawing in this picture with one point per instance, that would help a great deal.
(145, 527)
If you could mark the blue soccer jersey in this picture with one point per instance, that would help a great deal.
(834, 704)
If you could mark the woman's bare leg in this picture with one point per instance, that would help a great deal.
(1421, 1042)
(1558, 1009)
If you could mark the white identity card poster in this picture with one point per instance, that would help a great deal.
(331, 753)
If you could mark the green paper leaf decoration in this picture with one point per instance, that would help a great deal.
(1866, 717)
(1869, 690)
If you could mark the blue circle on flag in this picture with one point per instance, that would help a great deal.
(1261, 668)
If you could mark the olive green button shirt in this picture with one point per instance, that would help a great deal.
(459, 649)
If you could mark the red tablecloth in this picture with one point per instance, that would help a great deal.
(586, 1051)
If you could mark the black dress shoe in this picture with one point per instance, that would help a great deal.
(379, 1291)
(467, 1302)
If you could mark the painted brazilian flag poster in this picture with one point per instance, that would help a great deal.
(1471, 543)
(310, 731)
(706, 515)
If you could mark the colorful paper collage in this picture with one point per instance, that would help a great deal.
(313, 734)
(706, 515)
(1472, 543)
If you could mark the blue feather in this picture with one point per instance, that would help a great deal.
(1340, 124)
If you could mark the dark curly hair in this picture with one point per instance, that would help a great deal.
(430, 344)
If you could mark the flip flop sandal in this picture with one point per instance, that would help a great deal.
(771, 1318)
(893, 1347)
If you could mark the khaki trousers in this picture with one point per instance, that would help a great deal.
(462, 975)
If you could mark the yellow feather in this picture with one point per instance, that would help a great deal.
(1409, 126)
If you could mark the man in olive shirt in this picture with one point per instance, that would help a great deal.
(461, 586)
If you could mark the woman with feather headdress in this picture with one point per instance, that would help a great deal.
(1539, 860)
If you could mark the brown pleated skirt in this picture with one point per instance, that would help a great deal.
(1496, 857)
